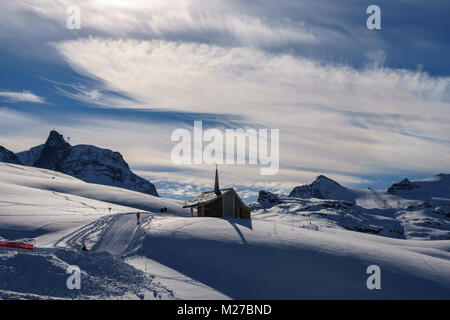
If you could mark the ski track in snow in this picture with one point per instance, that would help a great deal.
(75, 239)
(121, 235)
(69, 199)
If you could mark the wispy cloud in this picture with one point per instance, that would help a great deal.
(197, 20)
(171, 75)
(330, 115)
(326, 29)
(24, 96)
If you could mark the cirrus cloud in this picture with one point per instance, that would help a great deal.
(370, 121)
(24, 96)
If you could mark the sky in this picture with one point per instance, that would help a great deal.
(364, 107)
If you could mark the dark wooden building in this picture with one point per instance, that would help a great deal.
(220, 203)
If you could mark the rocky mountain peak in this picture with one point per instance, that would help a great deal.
(266, 197)
(443, 176)
(428, 189)
(405, 184)
(323, 180)
(55, 150)
(86, 162)
(322, 188)
(56, 140)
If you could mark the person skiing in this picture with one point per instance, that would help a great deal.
(138, 215)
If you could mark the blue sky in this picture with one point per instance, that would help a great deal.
(366, 107)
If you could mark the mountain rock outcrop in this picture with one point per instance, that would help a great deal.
(85, 162)
(322, 188)
(429, 189)
(8, 156)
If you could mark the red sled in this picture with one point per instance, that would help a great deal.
(16, 245)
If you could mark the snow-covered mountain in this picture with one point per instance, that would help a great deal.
(431, 189)
(408, 210)
(323, 188)
(8, 156)
(86, 162)
(28, 157)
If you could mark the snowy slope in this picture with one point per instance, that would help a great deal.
(275, 260)
(274, 255)
(258, 259)
(318, 213)
(42, 207)
(53, 181)
(36, 201)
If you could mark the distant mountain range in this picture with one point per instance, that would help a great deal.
(408, 209)
(427, 189)
(85, 162)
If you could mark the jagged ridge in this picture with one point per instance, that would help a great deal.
(86, 162)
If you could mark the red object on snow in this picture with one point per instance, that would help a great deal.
(16, 245)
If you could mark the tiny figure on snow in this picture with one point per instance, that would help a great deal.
(138, 215)
(84, 248)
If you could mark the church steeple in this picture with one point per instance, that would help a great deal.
(216, 183)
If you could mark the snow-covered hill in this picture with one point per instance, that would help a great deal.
(86, 162)
(174, 256)
(35, 203)
(36, 181)
(261, 259)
